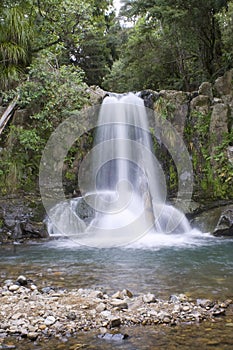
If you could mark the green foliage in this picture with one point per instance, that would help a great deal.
(50, 94)
(15, 36)
(76, 31)
(213, 172)
(173, 45)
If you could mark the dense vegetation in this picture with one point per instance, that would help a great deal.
(52, 50)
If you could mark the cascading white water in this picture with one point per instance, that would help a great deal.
(123, 186)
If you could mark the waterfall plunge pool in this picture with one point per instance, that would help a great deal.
(202, 268)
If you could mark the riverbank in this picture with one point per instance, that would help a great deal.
(37, 314)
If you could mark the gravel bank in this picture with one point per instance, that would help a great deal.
(33, 313)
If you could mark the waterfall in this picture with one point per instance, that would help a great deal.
(122, 184)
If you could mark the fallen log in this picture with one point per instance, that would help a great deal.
(7, 114)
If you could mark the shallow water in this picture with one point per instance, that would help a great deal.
(203, 269)
(200, 267)
(218, 336)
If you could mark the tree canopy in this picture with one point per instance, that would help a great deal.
(174, 43)
(161, 44)
(75, 30)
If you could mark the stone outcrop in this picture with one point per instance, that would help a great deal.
(21, 218)
(225, 223)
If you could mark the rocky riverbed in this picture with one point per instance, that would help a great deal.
(38, 313)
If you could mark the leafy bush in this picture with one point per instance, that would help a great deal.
(49, 95)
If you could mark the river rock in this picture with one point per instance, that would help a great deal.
(119, 304)
(122, 294)
(114, 321)
(96, 294)
(64, 316)
(49, 320)
(22, 280)
(225, 224)
(100, 307)
(114, 336)
(149, 298)
(14, 287)
(32, 336)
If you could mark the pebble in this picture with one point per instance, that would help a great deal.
(22, 280)
(49, 320)
(100, 307)
(122, 294)
(119, 304)
(149, 298)
(114, 321)
(43, 313)
(13, 287)
(32, 336)
(114, 336)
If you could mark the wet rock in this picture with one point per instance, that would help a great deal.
(47, 290)
(22, 280)
(217, 310)
(206, 303)
(114, 321)
(22, 218)
(34, 229)
(225, 224)
(113, 337)
(149, 97)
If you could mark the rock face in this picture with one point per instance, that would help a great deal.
(21, 218)
(177, 107)
(225, 224)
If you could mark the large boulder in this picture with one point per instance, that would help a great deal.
(223, 85)
(225, 224)
(200, 104)
(219, 123)
(176, 104)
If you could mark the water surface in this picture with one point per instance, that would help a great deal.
(201, 268)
